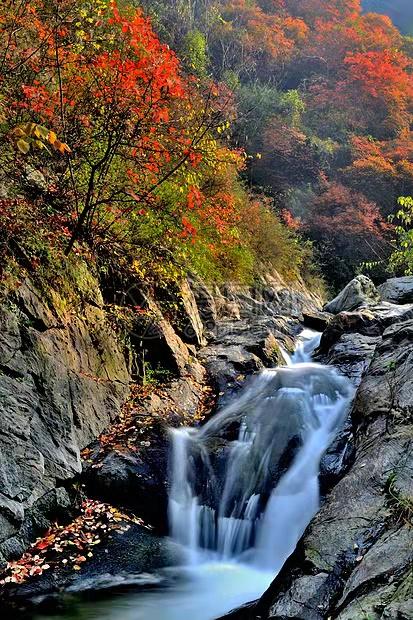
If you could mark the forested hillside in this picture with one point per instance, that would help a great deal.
(324, 101)
(203, 136)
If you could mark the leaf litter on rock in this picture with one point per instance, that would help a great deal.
(64, 545)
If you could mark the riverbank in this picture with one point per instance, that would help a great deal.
(68, 370)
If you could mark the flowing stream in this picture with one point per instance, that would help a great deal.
(243, 488)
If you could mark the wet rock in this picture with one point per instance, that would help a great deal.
(357, 541)
(387, 390)
(136, 478)
(360, 292)
(302, 600)
(319, 321)
(391, 555)
(364, 322)
(129, 559)
(337, 460)
(228, 367)
(352, 355)
(397, 290)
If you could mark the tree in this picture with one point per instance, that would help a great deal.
(401, 259)
(348, 228)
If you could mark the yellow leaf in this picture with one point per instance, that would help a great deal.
(52, 137)
(23, 146)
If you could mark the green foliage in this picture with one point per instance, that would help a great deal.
(195, 53)
(292, 106)
(155, 375)
(402, 258)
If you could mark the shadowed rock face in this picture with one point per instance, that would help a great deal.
(61, 383)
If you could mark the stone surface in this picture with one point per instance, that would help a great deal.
(297, 602)
(397, 290)
(137, 479)
(355, 558)
(165, 347)
(61, 383)
(131, 559)
(191, 323)
(317, 320)
(360, 292)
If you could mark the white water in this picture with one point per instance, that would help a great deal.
(242, 531)
(238, 534)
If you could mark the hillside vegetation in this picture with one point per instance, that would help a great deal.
(111, 151)
(155, 138)
(324, 97)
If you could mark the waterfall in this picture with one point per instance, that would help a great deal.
(245, 486)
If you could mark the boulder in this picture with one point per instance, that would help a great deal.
(314, 319)
(397, 290)
(360, 292)
(362, 322)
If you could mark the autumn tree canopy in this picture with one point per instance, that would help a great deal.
(133, 150)
(322, 89)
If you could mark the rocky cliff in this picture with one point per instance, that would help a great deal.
(63, 378)
(65, 374)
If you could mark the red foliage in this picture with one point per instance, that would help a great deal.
(340, 212)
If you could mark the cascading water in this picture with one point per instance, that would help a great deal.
(242, 490)
(245, 486)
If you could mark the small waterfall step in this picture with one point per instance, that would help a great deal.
(245, 486)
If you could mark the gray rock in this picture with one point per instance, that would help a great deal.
(352, 354)
(302, 600)
(134, 558)
(317, 320)
(391, 555)
(357, 541)
(192, 328)
(62, 381)
(397, 290)
(358, 293)
(163, 346)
